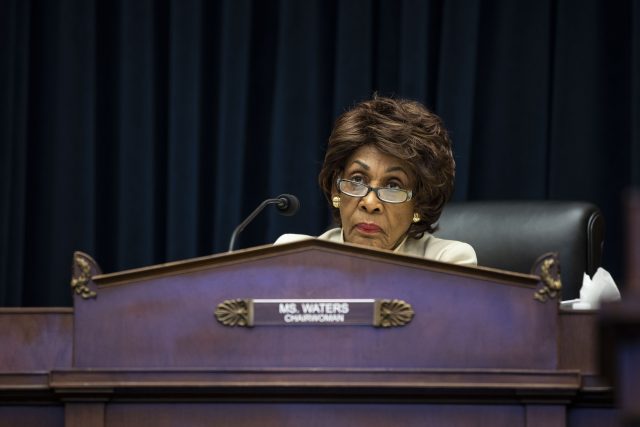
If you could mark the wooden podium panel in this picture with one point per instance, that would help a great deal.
(314, 415)
(49, 330)
(464, 317)
(31, 415)
(33, 342)
(620, 353)
(143, 347)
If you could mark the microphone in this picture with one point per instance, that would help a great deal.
(287, 204)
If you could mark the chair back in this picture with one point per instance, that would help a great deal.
(511, 235)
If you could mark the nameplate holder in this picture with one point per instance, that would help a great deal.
(382, 313)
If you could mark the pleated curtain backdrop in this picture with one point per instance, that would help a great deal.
(144, 131)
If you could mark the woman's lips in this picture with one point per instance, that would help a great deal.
(368, 228)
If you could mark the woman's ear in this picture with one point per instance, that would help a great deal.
(334, 181)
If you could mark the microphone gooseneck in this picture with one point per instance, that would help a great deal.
(287, 204)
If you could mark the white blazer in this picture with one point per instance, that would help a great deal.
(428, 247)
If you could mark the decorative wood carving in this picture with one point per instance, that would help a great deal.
(548, 268)
(83, 268)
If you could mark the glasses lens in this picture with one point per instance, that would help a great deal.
(392, 195)
(353, 188)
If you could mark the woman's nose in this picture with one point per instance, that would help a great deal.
(370, 202)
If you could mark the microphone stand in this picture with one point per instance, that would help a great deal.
(246, 222)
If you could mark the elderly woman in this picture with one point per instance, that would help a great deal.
(387, 173)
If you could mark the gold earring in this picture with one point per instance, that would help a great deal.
(336, 202)
(416, 218)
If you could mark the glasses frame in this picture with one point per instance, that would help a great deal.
(376, 190)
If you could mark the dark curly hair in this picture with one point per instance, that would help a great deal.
(406, 130)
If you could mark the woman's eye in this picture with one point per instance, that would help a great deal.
(357, 178)
(394, 185)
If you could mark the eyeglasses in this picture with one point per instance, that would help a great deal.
(388, 195)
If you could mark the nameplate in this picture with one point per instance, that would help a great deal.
(314, 312)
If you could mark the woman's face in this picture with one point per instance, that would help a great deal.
(368, 220)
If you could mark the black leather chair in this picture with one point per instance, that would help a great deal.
(511, 235)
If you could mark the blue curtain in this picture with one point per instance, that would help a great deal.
(143, 131)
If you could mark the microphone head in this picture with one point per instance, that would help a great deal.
(288, 204)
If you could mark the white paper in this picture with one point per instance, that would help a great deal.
(595, 290)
